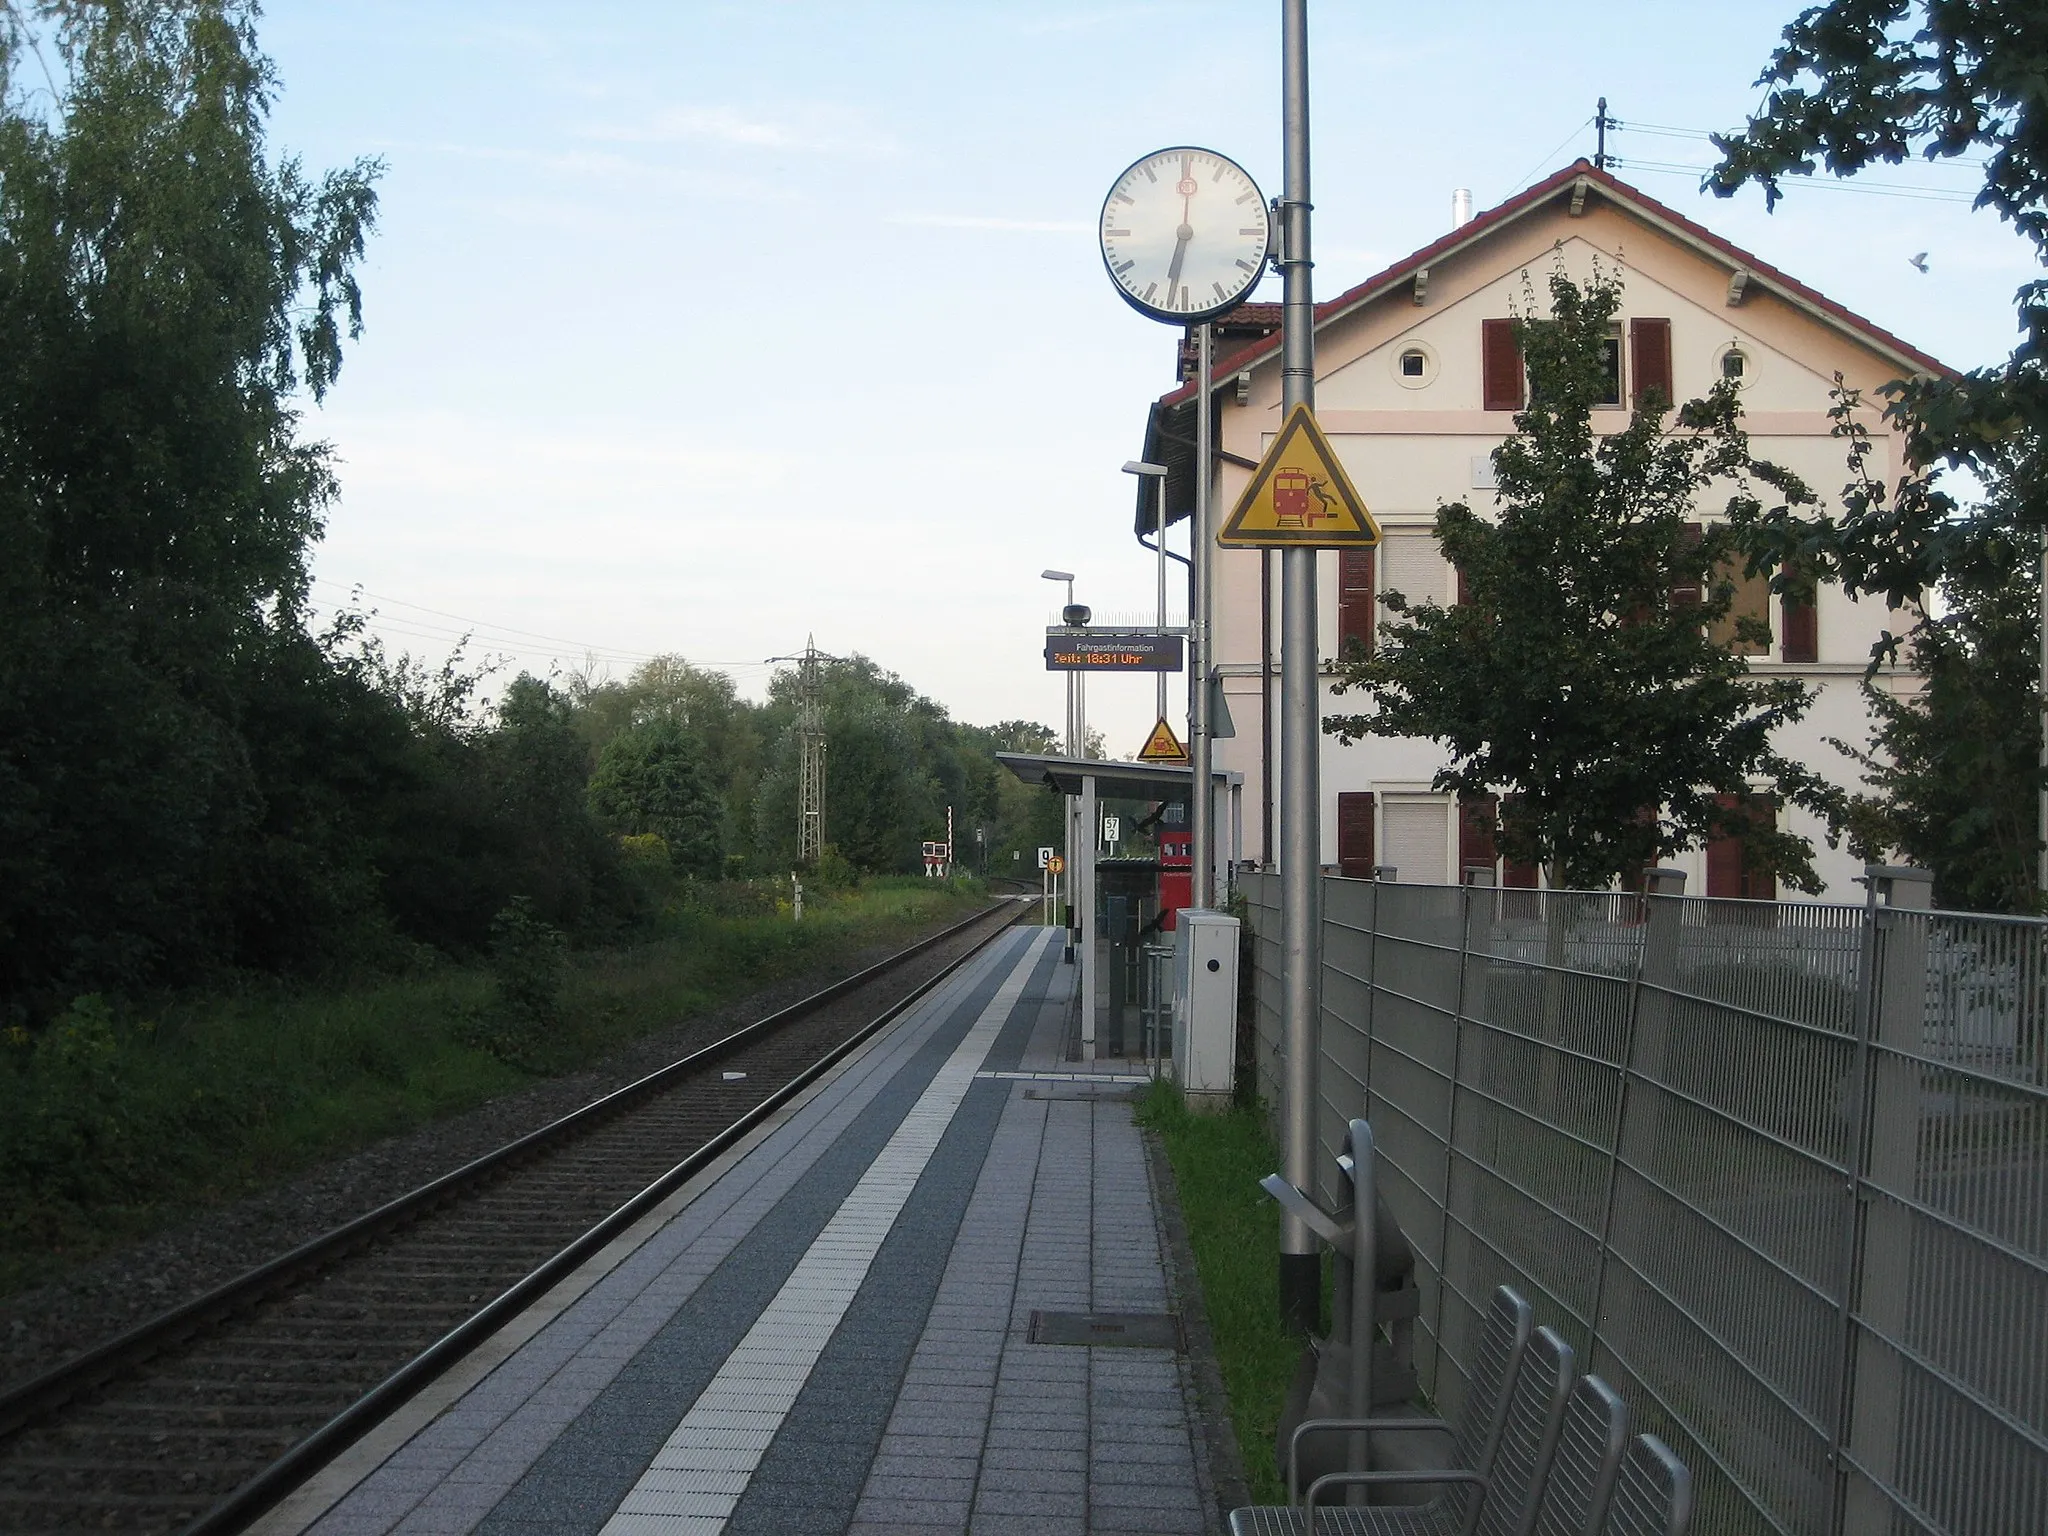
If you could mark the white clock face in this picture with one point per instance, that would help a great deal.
(1184, 234)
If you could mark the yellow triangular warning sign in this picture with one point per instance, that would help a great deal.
(1162, 746)
(1299, 497)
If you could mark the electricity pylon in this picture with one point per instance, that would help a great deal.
(810, 736)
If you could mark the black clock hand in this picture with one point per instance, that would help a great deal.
(1181, 237)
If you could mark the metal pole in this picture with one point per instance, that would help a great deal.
(1080, 715)
(1159, 536)
(1074, 750)
(1203, 798)
(1300, 833)
(1365, 1267)
(2040, 871)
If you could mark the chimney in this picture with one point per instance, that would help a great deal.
(1461, 207)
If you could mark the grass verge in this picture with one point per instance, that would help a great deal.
(1234, 1230)
(115, 1123)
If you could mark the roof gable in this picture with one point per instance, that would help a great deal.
(1577, 180)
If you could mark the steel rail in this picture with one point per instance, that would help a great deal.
(291, 1469)
(35, 1398)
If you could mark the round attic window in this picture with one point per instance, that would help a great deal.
(1414, 365)
(1735, 364)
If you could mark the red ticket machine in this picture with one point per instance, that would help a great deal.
(1176, 873)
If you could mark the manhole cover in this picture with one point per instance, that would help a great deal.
(1132, 1330)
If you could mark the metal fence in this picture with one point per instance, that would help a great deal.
(1779, 1171)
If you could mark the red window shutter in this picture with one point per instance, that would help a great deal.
(1799, 626)
(1724, 867)
(1463, 598)
(1354, 835)
(1649, 360)
(1475, 832)
(1684, 593)
(1756, 885)
(1500, 366)
(1518, 876)
(1355, 615)
(1727, 875)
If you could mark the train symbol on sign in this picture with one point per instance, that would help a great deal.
(1292, 489)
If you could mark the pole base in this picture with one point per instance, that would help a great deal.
(1301, 1292)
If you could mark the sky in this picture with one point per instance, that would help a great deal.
(704, 329)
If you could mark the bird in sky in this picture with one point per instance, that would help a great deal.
(1919, 261)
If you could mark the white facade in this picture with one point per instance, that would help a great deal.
(1415, 434)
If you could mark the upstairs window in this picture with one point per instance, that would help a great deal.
(1610, 363)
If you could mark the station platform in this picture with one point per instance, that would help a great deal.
(856, 1321)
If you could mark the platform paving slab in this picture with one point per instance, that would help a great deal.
(833, 1334)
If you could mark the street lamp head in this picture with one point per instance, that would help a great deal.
(1057, 575)
(1144, 467)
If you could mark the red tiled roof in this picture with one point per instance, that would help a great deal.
(1619, 192)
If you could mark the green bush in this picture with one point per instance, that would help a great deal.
(529, 966)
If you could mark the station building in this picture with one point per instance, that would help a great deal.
(1417, 382)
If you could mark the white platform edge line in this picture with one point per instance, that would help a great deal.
(820, 1290)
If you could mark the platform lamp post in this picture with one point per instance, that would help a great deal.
(1073, 615)
(1156, 473)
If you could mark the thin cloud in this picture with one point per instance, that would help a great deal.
(979, 221)
(810, 131)
(586, 168)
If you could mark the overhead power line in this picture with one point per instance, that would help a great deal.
(1702, 135)
(506, 637)
(1865, 188)
(1537, 170)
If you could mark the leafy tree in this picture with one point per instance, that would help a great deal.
(1862, 82)
(534, 769)
(705, 703)
(1957, 764)
(168, 295)
(652, 777)
(1022, 817)
(1600, 712)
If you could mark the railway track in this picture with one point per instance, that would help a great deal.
(200, 1419)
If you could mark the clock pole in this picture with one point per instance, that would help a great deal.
(1202, 801)
(1300, 830)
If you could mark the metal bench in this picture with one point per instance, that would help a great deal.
(1588, 1460)
(1653, 1496)
(1496, 1499)
(1502, 1339)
